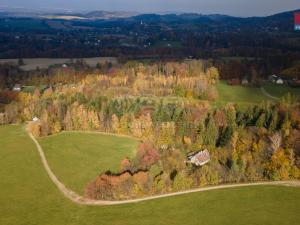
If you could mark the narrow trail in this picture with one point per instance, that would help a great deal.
(263, 90)
(74, 197)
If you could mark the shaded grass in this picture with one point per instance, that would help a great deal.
(28, 197)
(31, 89)
(239, 94)
(77, 158)
(43, 63)
(281, 90)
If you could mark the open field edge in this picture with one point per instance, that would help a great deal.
(74, 197)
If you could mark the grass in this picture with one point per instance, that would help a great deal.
(28, 197)
(31, 89)
(43, 63)
(236, 58)
(281, 90)
(239, 94)
(77, 158)
(244, 95)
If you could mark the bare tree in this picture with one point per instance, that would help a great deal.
(275, 142)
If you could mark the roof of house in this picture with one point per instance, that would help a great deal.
(200, 158)
(17, 87)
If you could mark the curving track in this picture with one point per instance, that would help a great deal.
(74, 197)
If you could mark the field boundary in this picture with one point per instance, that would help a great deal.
(91, 132)
(74, 197)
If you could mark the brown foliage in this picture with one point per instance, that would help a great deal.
(8, 96)
(125, 165)
(220, 118)
(117, 186)
(147, 155)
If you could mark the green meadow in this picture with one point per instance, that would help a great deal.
(281, 90)
(28, 197)
(239, 94)
(77, 158)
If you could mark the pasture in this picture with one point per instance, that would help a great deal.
(44, 63)
(281, 90)
(77, 158)
(28, 197)
(239, 94)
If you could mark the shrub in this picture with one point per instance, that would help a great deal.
(147, 155)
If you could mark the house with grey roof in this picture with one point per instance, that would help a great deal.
(199, 158)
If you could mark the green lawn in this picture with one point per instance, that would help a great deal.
(239, 94)
(236, 58)
(77, 158)
(28, 197)
(281, 90)
(31, 89)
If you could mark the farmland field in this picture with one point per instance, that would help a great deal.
(240, 94)
(281, 90)
(43, 63)
(28, 197)
(77, 158)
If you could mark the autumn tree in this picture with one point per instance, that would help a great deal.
(279, 167)
(147, 155)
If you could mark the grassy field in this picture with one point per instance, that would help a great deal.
(236, 58)
(43, 63)
(31, 89)
(281, 90)
(77, 158)
(239, 94)
(27, 197)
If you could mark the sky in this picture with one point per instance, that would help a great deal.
(230, 7)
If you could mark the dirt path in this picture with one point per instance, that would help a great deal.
(74, 197)
(263, 90)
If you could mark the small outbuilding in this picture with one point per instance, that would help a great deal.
(199, 158)
(17, 87)
(273, 78)
(279, 81)
(245, 81)
(276, 79)
(35, 119)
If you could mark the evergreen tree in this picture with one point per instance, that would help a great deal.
(260, 122)
(273, 121)
(286, 125)
(124, 124)
(226, 136)
(200, 134)
(211, 134)
(231, 116)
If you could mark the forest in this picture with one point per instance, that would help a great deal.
(171, 108)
